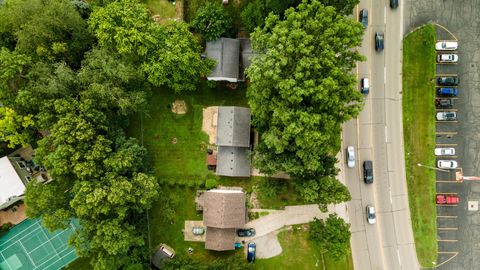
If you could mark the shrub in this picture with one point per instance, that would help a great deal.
(212, 21)
(211, 183)
(5, 228)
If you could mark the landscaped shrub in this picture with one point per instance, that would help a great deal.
(5, 228)
(212, 21)
(211, 183)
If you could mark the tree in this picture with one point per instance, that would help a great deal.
(302, 89)
(13, 66)
(176, 61)
(333, 236)
(257, 11)
(323, 191)
(212, 21)
(344, 7)
(15, 128)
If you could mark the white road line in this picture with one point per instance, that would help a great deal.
(386, 137)
(385, 76)
(390, 190)
(398, 256)
(385, 15)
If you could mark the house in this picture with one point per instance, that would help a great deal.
(233, 141)
(224, 211)
(232, 57)
(15, 173)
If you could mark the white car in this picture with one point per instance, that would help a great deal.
(447, 164)
(449, 151)
(350, 157)
(447, 58)
(446, 116)
(371, 215)
(446, 46)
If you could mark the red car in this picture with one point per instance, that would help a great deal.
(447, 199)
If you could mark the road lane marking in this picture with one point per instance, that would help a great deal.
(398, 256)
(447, 229)
(385, 76)
(385, 15)
(386, 137)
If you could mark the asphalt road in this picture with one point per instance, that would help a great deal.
(377, 135)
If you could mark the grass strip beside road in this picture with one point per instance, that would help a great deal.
(419, 135)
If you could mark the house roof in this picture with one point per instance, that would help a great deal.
(233, 161)
(226, 53)
(220, 239)
(233, 126)
(224, 209)
(10, 182)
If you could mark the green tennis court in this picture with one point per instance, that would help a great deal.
(29, 246)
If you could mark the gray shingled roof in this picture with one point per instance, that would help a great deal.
(220, 239)
(226, 53)
(224, 209)
(233, 126)
(233, 161)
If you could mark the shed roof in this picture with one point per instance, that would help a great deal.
(226, 53)
(224, 209)
(220, 239)
(233, 126)
(10, 182)
(233, 161)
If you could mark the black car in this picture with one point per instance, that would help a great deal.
(394, 4)
(378, 41)
(448, 81)
(444, 103)
(364, 17)
(246, 232)
(368, 171)
(251, 249)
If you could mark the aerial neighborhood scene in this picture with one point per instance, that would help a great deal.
(239, 134)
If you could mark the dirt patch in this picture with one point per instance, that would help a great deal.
(14, 215)
(209, 123)
(179, 107)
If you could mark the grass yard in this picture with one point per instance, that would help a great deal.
(419, 135)
(79, 264)
(299, 253)
(164, 8)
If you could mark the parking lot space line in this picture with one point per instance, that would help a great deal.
(446, 98)
(447, 216)
(447, 205)
(446, 144)
(446, 133)
(448, 229)
(447, 193)
(447, 240)
(446, 74)
(447, 110)
(448, 181)
(444, 156)
(447, 63)
(446, 121)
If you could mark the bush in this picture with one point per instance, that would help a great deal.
(332, 235)
(5, 228)
(211, 183)
(212, 21)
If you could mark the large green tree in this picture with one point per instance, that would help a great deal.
(344, 7)
(14, 128)
(212, 21)
(323, 191)
(255, 13)
(332, 235)
(303, 88)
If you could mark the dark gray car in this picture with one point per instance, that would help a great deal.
(379, 41)
(364, 17)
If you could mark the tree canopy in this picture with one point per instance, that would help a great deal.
(303, 88)
(344, 7)
(332, 235)
(255, 13)
(212, 21)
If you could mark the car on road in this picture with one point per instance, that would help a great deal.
(447, 91)
(444, 103)
(379, 41)
(446, 46)
(364, 86)
(350, 157)
(364, 17)
(447, 58)
(246, 232)
(448, 81)
(368, 171)
(447, 164)
(371, 219)
(447, 199)
(445, 151)
(393, 4)
(251, 249)
(446, 116)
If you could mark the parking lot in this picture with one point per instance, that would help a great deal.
(458, 224)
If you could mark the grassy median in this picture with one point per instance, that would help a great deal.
(419, 134)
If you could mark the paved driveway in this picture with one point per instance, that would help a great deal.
(463, 20)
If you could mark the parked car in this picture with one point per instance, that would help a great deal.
(246, 232)
(364, 86)
(444, 103)
(350, 157)
(447, 199)
(251, 249)
(447, 91)
(368, 171)
(448, 81)
(371, 219)
(198, 230)
(447, 164)
(446, 116)
(447, 58)
(445, 151)
(379, 41)
(446, 46)
(394, 4)
(364, 17)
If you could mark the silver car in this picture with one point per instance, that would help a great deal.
(371, 215)
(350, 157)
(445, 151)
(447, 164)
(446, 45)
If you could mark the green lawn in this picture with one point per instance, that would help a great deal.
(164, 8)
(419, 134)
(299, 253)
(79, 264)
